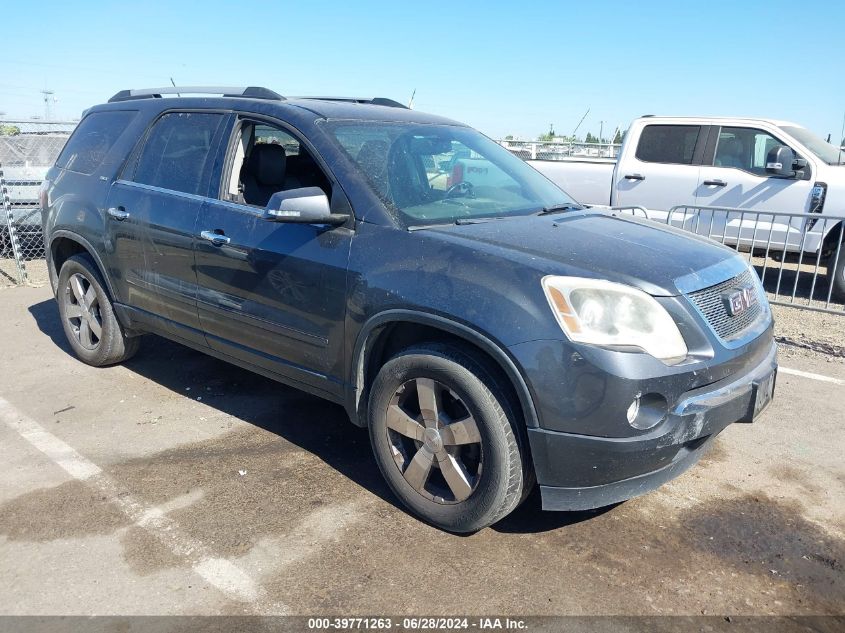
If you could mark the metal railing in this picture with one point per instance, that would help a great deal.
(27, 150)
(788, 250)
(561, 150)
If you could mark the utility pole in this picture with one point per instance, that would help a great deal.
(48, 99)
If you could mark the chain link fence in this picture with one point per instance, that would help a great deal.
(27, 150)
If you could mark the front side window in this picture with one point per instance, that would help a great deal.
(434, 174)
(744, 148)
(671, 144)
(266, 159)
(93, 138)
(177, 151)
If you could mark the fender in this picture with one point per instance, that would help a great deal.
(498, 353)
(75, 237)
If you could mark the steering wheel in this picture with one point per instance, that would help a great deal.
(463, 188)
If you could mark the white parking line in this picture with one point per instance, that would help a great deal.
(811, 376)
(222, 574)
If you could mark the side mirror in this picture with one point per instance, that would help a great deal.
(781, 163)
(307, 205)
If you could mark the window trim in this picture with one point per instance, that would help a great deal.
(697, 150)
(133, 156)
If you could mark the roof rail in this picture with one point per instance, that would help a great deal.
(382, 101)
(250, 92)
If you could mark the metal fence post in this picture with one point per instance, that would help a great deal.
(13, 238)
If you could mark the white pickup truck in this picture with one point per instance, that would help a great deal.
(756, 164)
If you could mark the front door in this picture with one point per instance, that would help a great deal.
(273, 294)
(735, 176)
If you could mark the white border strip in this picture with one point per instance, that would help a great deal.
(811, 376)
(223, 574)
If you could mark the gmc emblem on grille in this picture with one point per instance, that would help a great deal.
(740, 300)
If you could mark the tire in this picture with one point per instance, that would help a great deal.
(87, 315)
(433, 463)
(836, 275)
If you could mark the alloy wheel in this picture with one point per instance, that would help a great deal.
(434, 440)
(82, 311)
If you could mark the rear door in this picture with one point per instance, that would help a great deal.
(663, 170)
(735, 176)
(273, 294)
(152, 216)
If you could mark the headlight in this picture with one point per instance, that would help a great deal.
(605, 313)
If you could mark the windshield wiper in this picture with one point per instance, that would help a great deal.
(458, 221)
(476, 220)
(567, 206)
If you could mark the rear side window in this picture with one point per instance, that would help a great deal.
(177, 151)
(673, 144)
(94, 137)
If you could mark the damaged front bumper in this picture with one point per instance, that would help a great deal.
(580, 472)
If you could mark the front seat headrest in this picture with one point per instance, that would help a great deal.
(267, 164)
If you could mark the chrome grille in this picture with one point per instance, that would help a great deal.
(713, 306)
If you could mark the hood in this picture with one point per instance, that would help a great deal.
(661, 260)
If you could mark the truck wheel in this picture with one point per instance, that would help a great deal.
(836, 275)
(444, 438)
(88, 318)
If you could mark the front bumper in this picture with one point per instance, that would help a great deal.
(579, 472)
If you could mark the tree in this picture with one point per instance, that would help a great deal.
(550, 135)
(9, 130)
(509, 137)
(590, 138)
(618, 138)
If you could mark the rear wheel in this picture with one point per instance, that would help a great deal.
(443, 435)
(87, 315)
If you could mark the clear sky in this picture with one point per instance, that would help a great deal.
(504, 67)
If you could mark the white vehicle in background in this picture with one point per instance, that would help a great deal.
(755, 164)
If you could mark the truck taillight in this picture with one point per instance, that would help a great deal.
(457, 175)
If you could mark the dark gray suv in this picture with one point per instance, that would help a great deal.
(490, 332)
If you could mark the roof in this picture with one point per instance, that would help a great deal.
(266, 101)
(365, 111)
(722, 118)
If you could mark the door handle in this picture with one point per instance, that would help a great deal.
(118, 213)
(715, 183)
(634, 177)
(218, 239)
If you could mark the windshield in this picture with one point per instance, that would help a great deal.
(436, 174)
(823, 150)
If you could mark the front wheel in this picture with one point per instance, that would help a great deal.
(444, 438)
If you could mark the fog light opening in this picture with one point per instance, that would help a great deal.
(646, 411)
